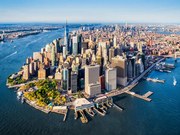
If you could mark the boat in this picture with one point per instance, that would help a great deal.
(19, 95)
(75, 115)
(132, 93)
(83, 117)
(174, 81)
(155, 80)
(22, 100)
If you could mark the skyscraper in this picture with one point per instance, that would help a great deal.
(53, 56)
(120, 63)
(65, 79)
(111, 79)
(111, 53)
(66, 34)
(92, 85)
(26, 72)
(75, 45)
(74, 82)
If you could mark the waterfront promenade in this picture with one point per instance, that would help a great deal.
(133, 84)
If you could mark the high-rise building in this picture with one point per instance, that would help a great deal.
(75, 45)
(38, 56)
(92, 85)
(31, 68)
(120, 63)
(56, 44)
(115, 41)
(79, 43)
(74, 82)
(66, 41)
(26, 72)
(42, 72)
(65, 79)
(111, 79)
(111, 53)
(129, 69)
(84, 46)
(53, 58)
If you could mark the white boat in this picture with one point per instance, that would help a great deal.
(174, 81)
(132, 93)
(19, 93)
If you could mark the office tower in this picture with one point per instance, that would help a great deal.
(53, 58)
(102, 81)
(133, 62)
(141, 66)
(26, 72)
(46, 62)
(56, 44)
(81, 76)
(75, 45)
(92, 85)
(66, 41)
(129, 69)
(115, 41)
(120, 63)
(111, 79)
(99, 60)
(105, 56)
(65, 79)
(31, 68)
(74, 78)
(48, 48)
(139, 47)
(42, 72)
(111, 53)
(38, 56)
(79, 43)
(42, 50)
(35, 66)
(58, 76)
(28, 60)
(84, 47)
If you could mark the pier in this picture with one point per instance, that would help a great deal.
(83, 117)
(144, 97)
(116, 106)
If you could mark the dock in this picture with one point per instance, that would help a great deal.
(65, 115)
(144, 97)
(101, 113)
(116, 106)
(83, 117)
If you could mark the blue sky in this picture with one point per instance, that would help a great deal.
(111, 11)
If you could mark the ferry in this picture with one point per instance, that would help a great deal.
(174, 81)
(155, 80)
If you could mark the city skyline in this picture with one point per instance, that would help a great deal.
(80, 11)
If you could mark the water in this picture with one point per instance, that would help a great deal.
(161, 116)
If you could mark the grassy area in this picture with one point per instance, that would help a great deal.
(15, 81)
(46, 93)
